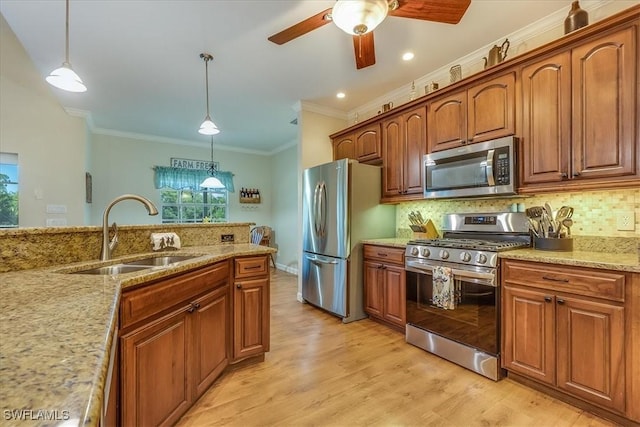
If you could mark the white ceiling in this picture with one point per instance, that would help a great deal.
(140, 60)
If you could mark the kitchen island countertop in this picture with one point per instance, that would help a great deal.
(57, 332)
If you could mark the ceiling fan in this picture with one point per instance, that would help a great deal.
(360, 17)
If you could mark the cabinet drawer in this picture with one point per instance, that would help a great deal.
(251, 266)
(576, 280)
(156, 297)
(383, 253)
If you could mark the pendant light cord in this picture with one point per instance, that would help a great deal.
(206, 58)
(66, 58)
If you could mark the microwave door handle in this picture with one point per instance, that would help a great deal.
(489, 169)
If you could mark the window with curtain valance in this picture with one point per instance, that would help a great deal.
(178, 178)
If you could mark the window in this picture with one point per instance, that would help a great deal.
(187, 206)
(8, 190)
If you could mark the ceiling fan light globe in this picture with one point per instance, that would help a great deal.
(66, 79)
(357, 17)
(208, 127)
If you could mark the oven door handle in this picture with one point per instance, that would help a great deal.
(489, 169)
(419, 267)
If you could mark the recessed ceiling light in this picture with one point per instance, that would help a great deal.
(407, 56)
(340, 95)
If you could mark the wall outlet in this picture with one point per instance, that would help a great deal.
(56, 209)
(626, 220)
(226, 238)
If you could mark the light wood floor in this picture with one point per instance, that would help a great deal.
(321, 372)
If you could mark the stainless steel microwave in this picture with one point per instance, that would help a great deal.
(482, 169)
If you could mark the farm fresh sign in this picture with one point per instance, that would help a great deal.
(192, 164)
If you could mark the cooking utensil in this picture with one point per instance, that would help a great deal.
(420, 218)
(568, 223)
(551, 222)
(535, 214)
(562, 214)
(534, 226)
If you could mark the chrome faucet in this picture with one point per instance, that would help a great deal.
(109, 246)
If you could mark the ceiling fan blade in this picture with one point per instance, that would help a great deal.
(364, 50)
(301, 28)
(447, 11)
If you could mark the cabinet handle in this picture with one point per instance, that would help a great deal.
(564, 175)
(547, 299)
(254, 267)
(576, 174)
(470, 141)
(553, 279)
(191, 309)
(239, 286)
(196, 305)
(560, 301)
(382, 254)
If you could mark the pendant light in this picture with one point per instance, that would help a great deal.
(212, 181)
(358, 17)
(64, 77)
(207, 127)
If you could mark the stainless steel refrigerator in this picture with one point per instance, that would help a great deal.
(341, 206)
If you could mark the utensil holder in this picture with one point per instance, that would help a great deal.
(551, 244)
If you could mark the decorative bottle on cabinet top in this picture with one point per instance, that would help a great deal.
(577, 18)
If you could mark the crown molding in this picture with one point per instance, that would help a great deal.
(320, 109)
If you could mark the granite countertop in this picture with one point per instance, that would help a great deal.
(57, 331)
(604, 260)
(397, 242)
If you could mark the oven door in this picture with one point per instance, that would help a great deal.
(475, 319)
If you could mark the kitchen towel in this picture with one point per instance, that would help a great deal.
(161, 241)
(444, 295)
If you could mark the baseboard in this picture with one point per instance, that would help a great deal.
(287, 269)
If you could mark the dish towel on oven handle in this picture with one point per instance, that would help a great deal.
(444, 295)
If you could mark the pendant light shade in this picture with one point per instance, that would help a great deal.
(64, 77)
(359, 17)
(207, 127)
(212, 181)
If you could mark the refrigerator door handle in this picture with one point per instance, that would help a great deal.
(315, 259)
(320, 209)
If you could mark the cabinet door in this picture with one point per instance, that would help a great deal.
(251, 317)
(528, 320)
(373, 288)
(211, 338)
(344, 147)
(368, 144)
(546, 121)
(591, 351)
(605, 106)
(155, 389)
(491, 109)
(393, 155)
(394, 301)
(448, 122)
(415, 147)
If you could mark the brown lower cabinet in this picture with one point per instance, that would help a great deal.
(564, 327)
(384, 285)
(251, 307)
(178, 335)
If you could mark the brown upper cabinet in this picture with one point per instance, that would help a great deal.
(478, 113)
(404, 143)
(580, 117)
(363, 144)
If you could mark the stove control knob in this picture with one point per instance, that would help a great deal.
(426, 252)
(444, 254)
(481, 258)
(414, 251)
(465, 256)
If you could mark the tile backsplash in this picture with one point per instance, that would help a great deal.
(595, 212)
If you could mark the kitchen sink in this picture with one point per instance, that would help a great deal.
(113, 269)
(137, 265)
(159, 261)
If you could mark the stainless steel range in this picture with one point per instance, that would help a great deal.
(453, 288)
